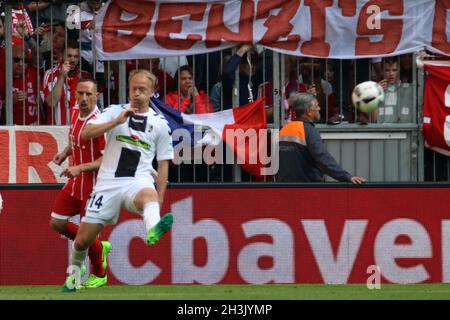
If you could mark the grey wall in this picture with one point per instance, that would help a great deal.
(379, 153)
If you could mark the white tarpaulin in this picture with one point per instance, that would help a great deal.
(329, 28)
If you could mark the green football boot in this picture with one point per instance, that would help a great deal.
(94, 281)
(160, 229)
(106, 245)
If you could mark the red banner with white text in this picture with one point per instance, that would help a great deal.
(436, 108)
(248, 236)
(26, 153)
(341, 29)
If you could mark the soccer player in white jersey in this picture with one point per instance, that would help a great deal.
(135, 134)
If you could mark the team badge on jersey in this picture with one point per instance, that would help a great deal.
(138, 123)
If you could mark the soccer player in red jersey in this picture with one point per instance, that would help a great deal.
(71, 200)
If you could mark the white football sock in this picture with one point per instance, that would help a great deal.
(151, 215)
(77, 257)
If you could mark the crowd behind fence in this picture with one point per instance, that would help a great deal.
(41, 61)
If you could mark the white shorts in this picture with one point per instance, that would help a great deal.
(108, 197)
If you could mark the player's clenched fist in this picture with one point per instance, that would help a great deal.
(123, 116)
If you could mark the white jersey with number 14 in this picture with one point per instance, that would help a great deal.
(132, 145)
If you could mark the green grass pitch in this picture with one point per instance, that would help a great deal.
(233, 292)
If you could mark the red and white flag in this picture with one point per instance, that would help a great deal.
(249, 120)
(436, 112)
(242, 129)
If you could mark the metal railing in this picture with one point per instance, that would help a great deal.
(275, 72)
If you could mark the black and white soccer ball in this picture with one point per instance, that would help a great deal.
(367, 96)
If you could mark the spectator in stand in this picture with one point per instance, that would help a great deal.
(291, 86)
(247, 60)
(22, 32)
(25, 90)
(20, 15)
(207, 68)
(59, 86)
(52, 11)
(248, 76)
(57, 47)
(311, 74)
(216, 90)
(188, 99)
(397, 103)
(24, 73)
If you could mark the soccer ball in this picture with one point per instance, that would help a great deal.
(367, 96)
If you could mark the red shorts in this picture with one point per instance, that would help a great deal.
(67, 206)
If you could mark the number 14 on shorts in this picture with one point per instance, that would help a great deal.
(95, 201)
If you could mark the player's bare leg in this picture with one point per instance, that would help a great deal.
(86, 235)
(147, 200)
(98, 253)
(67, 229)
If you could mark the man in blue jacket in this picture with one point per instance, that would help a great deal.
(247, 75)
(303, 155)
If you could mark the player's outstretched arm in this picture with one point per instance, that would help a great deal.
(92, 131)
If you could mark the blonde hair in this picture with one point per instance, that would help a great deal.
(150, 76)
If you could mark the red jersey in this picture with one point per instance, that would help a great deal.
(83, 151)
(60, 114)
(31, 91)
(201, 102)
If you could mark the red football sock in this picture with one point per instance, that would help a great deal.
(95, 255)
(71, 230)
(95, 250)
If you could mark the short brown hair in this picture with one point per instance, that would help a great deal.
(391, 60)
(144, 72)
(88, 80)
